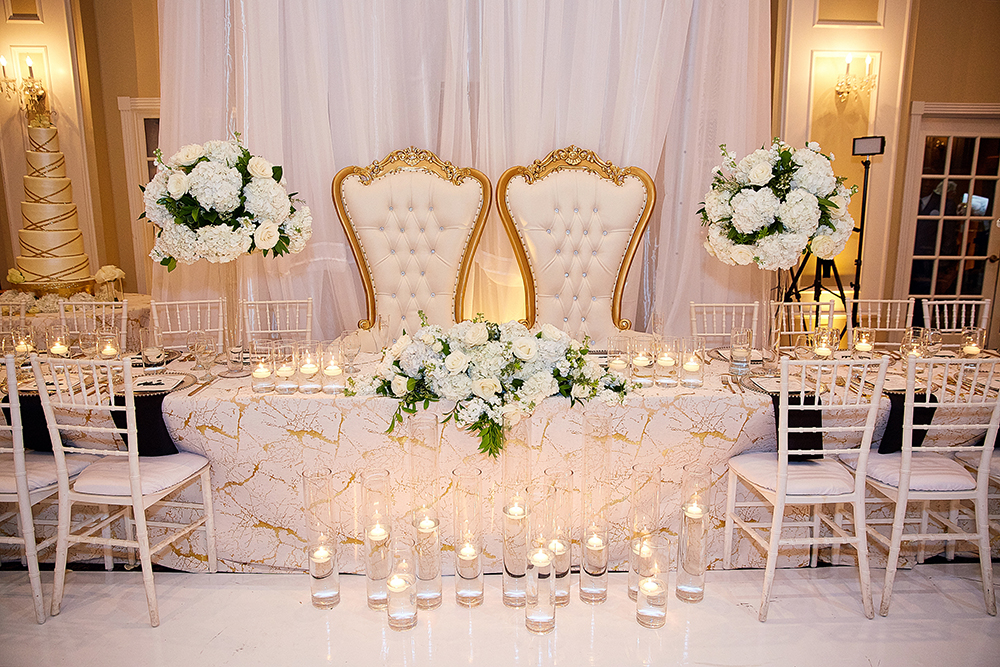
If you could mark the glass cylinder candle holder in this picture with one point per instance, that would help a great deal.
(618, 354)
(262, 376)
(468, 542)
(692, 547)
(651, 598)
(644, 519)
(540, 580)
(285, 363)
(912, 343)
(237, 356)
(309, 358)
(972, 342)
(594, 542)
(863, 345)
(317, 504)
(108, 346)
(692, 371)
(642, 357)
(423, 445)
(561, 544)
(667, 362)
(378, 531)
(401, 586)
(324, 577)
(57, 341)
(516, 476)
(333, 378)
(151, 349)
(824, 342)
(740, 348)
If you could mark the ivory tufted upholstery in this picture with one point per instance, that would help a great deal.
(413, 222)
(575, 222)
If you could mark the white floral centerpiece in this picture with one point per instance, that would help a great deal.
(491, 371)
(775, 204)
(217, 201)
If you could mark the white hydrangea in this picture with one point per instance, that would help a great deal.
(800, 212)
(298, 227)
(717, 206)
(221, 243)
(266, 200)
(177, 241)
(223, 152)
(155, 190)
(780, 251)
(720, 244)
(216, 186)
(754, 209)
(815, 173)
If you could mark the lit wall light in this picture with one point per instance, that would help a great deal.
(848, 83)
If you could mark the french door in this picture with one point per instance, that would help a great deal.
(950, 236)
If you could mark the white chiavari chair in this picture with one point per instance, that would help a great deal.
(80, 397)
(12, 316)
(715, 321)
(80, 316)
(950, 316)
(176, 319)
(965, 393)
(797, 318)
(27, 479)
(848, 413)
(290, 319)
(889, 317)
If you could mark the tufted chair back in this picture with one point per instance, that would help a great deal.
(575, 222)
(413, 222)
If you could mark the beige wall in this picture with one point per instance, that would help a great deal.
(955, 58)
(122, 50)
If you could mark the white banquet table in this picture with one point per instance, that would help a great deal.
(259, 444)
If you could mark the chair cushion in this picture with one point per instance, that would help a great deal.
(972, 459)
(928, 472)
(109, 476)
(41, 469)
(823, 477)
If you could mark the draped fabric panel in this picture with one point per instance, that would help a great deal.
(317, 85)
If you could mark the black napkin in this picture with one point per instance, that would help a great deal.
(154, 439)
(892, 439)
(800, 419)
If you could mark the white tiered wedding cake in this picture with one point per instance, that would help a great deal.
(51, 243)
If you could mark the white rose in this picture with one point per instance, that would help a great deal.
(437, 346)
(825, 246)
(526, 348)
(260, 168)
(456, 362)
(187, 155)
(742, 254)
(841, 201)
(107, 273)
(760, 174)
(550, 332)
(399, 383)
(401, 344)
(177, 184)
(579, 391)
(426, 339)
(485, 387)
(266, 236)
(477, 334)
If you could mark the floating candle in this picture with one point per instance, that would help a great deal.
(377, 533)
(397, 584)
(694, 512)
(515, 511)
(651, 587)
(540, 559)
(617, 364)
(692, 366)
(309, 368)
(595, 542)
(863, 347)
(557, 547)
(426, 525)
(109, 350)
(642, 361)
(285, 371)
(321, 555)
(58, 350)
(332, 370)
(468, 552)
(261, 372)
(665, 361)
(971, 350)
(22, 347)
(823, 351)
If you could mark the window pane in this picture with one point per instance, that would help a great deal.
(951, 237)
(152, 128)
(947, 277)
(920, 277)
(972, 278)
(935, 149)
(989, 156)
(983, 193)
(926, 241)
(956, 201)
(152, 170)
(930, 196)
(979, 238)
(962, 149)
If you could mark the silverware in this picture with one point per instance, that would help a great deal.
(727, 384)
(202, 386)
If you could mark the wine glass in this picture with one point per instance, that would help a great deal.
(88, 344)
(350, 347)
(202, 348)
(932, 342)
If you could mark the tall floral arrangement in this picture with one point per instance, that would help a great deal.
(491, 371)
(216, 201)
(775, 204)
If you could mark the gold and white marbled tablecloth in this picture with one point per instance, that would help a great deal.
(138, 318)
(259, 445)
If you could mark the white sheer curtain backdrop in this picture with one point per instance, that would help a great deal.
(317, 85)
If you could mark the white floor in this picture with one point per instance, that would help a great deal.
(937, 618)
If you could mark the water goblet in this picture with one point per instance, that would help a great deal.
(932, 342)
(88, 344)
(350, 347)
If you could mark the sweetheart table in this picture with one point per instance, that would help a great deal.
(259, 444)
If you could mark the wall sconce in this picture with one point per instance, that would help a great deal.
(31, 94)
(8, 85)
(849, 83)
